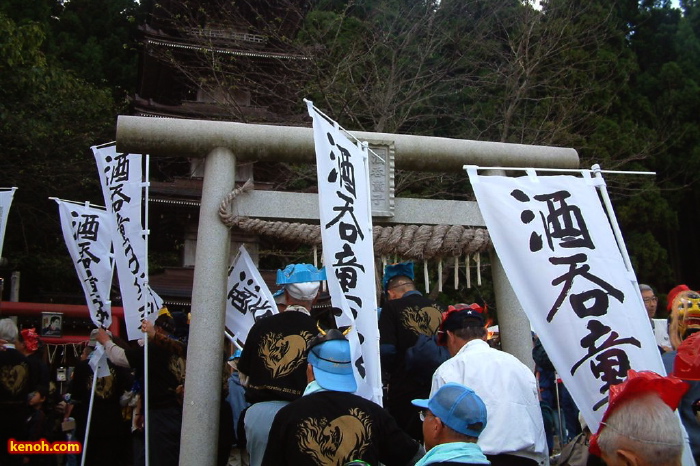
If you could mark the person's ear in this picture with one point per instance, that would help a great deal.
(626, 457)
(438, 426)
(310, 377)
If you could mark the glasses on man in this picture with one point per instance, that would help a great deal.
(423, 414)
(651, 299)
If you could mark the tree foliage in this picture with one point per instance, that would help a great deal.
(663, 103)
(615, 80)
(97, 40)
(48, 120)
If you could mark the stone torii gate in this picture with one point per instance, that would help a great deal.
(222, 144)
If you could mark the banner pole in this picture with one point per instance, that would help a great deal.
(562, 441)
(89, 416)
(146, 295)
(146, 423)
(378, 373)
(233, 340)
(560, 170)
(602, 189)
(84, 203)
(340, 128)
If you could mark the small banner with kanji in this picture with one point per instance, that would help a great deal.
(6, 196)
(248, 299)
(121, 178)
(87, 231)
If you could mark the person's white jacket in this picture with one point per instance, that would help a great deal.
(509, 389)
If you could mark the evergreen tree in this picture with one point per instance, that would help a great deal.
(96, 39)
(48, 120)
(664, 101)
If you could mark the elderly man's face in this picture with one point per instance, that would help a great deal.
(650, 302)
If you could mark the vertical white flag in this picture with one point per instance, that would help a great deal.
(5, 202)
(98, 362)
(248, 299)
(558, 250)
(121, 177)
(87, 231)
(348, 249)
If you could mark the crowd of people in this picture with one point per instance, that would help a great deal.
(32, 409)
(451, 398)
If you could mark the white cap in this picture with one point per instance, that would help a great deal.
(304, 291)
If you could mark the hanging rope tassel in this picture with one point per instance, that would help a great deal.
(469, 272)
(478, 269)
(456, 272)
(425, 275)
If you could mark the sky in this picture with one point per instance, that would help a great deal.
(674, 3)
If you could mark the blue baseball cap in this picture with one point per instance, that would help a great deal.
(458, 407)
(332, 365)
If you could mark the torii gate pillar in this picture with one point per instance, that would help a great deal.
(200, 420)
(218, 141)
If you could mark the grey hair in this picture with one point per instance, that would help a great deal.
(643, 287)
(8, 330)
(471, 332)
(646, 426)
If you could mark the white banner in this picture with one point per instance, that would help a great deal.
(661, 332)
(98, 362)
(558, 250)
(248, 299)
(348, 250)
(88, 232)
(5, 202)
(121, 177)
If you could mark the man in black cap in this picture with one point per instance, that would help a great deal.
(506, 385)
(408, 319)
(331, 425)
